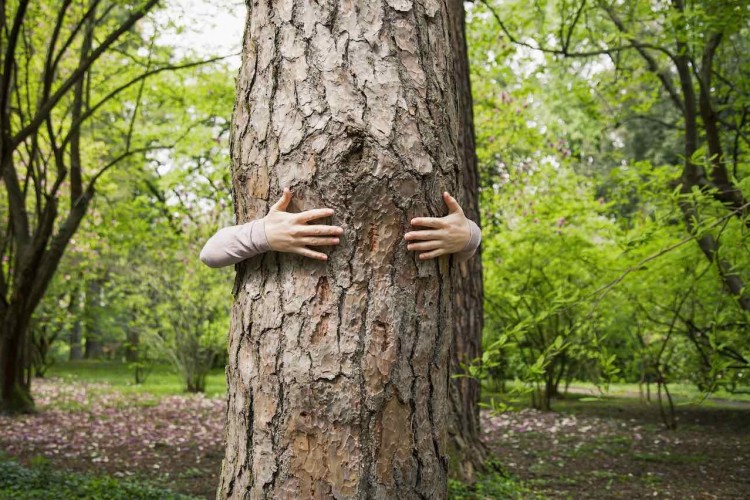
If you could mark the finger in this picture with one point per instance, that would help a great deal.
(319, 230)
(310, 253)
(432, 254)
(428, 221)
(315, 213)
(425, 245)
(453, 205)
(318, 241)
(283, 202)
(423, 235)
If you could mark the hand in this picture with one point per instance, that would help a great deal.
(289, 232)
(449, 234)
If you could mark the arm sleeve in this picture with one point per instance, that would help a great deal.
(233, 244)
(471, 245)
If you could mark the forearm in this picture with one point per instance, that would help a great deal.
(471, 246)
(233, 244)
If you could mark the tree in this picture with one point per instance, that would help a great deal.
(468, 453)
(45, 96)
(68, 110)
(561, 92)
(688, 54)
(338, 371)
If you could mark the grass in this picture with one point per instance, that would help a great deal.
(497, 483)
(680, 391)
(40, 481)
(161, 381)
(620, 395)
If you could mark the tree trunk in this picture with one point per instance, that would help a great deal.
(94, 343)
(76, 334)
(76, 350)
(15, 386)
(132, 345)
(338, 372)
(467, 451)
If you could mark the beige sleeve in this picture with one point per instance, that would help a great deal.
(233, 244)
(471, 246)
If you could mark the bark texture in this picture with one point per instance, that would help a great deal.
(338, 373)
(467, 451)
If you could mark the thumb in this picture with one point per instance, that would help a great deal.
(453, 205)
(283, 202)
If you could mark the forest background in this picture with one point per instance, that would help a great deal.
(613, 146)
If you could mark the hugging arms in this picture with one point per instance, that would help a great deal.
(284, 231)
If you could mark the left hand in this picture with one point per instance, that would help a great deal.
(448, 234)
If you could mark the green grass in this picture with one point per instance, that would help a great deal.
(40, 481)
(497, 483)
(161, 381)
(621, 395)
(679, 391)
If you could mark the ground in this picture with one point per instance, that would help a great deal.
(173, 441)
(620, 449)
(611, 448)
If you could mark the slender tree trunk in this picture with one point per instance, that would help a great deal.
(338, 373)
(93, 347)
(76, 351)
(76, 336)
(132, 345)
(467, 451)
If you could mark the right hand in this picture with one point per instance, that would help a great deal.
(289, 232)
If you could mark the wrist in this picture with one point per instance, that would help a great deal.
(258, 235)
(468, 239)
(475, 236)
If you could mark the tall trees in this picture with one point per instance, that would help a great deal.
(338, 371)
(72, 88)
(45, 98)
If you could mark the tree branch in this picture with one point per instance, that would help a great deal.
(91, 110)
(79, 72)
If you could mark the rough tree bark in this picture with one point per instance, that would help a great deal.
(338, 373)
(467, 451)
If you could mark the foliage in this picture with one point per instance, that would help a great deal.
(42, 481)
(95, 111)
(193, 320)
(497, 483)
(591, 270)
(130, 281)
